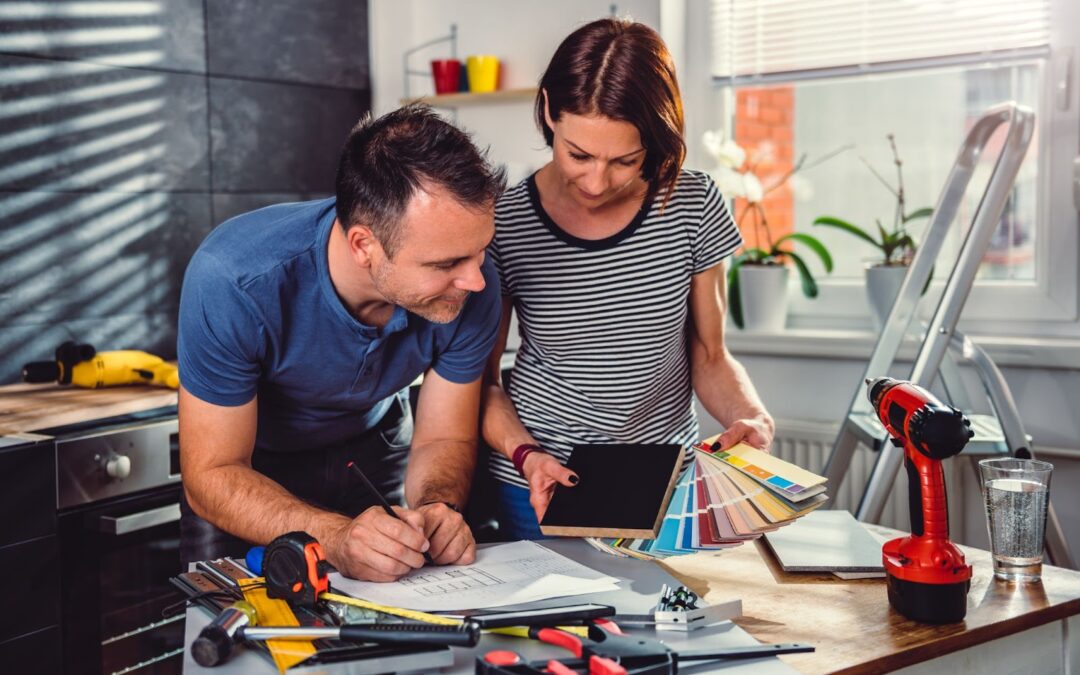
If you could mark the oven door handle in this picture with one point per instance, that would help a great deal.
(143, 520)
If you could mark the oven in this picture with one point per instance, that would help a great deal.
(118, 533)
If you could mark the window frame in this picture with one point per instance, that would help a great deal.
(1049, 305)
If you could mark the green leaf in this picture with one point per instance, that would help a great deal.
(888, 243)
(734, 296)
(755, 255)
(809, 286)
(811, 242)
(847, 227)
(924, 212)
(885, 238)
(906, 242)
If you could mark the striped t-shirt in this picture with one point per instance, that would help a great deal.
(603, 323)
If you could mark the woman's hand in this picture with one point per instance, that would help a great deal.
(756, 431)
(543, 472)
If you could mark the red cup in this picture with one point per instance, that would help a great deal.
(447, 74)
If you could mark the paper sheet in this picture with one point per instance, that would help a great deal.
(506, 574)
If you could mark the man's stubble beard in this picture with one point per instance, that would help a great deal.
(428, 310)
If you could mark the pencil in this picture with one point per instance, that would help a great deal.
(382, 500)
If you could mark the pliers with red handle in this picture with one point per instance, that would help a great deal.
(609, 651)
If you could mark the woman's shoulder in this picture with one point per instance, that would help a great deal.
(690, 194)
(693, 183)
(514, 198)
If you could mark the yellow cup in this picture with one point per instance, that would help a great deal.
(483, 72)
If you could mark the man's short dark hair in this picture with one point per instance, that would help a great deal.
(386, 160)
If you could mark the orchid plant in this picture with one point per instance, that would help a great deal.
(896, 245)
(735, 177)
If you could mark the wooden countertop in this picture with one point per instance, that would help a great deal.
(31, 407)
(851, 623)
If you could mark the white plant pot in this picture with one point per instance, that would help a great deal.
(763, 289)
(882, 286)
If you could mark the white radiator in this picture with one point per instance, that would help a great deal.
(808, 445)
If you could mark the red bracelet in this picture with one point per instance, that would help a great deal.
(521, 452)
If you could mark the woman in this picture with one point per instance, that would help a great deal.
(611, 255)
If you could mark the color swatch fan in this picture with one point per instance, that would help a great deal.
(787, 480)
(726, 498)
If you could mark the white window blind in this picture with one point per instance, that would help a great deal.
(762, 40)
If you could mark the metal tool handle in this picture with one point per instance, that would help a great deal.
(464, 635)
(144, 520)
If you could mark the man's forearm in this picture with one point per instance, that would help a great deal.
(247, 504)
(725, 390)
(440, 471)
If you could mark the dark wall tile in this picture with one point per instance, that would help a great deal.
(68, 256)
(311, 42)
(279, 138)
(105, 150)
(228, 205)
(167, 34)
(154, 333)
(68, 125)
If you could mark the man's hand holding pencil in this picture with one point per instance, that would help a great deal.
(376, 546)
(386, 542)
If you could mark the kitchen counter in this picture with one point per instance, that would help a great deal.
(33, 407)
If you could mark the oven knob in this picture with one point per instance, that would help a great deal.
(118, 467)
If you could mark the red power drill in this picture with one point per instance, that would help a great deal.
(928, 578)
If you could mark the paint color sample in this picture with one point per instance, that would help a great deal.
(790, 480)
(725, 499)
(623, 491)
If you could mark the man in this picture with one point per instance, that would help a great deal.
(301, 327)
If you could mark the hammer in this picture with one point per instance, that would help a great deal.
(236, 623)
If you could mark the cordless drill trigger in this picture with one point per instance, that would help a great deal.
(898, 442)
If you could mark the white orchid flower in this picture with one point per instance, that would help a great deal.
(764, 153)
(752, 189)
(801, 188)
(729, 182)
(731, 154)
(712, 141)
(724, 150)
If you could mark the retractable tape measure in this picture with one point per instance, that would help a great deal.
(295, 569)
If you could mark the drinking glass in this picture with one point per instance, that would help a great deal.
(1017, 494)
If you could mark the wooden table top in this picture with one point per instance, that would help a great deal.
(31, 407)
(851, 623)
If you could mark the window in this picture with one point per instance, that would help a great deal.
(809, 76)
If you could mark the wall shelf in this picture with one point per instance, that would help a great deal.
(466, 98)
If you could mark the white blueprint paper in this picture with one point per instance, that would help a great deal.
(506, 574)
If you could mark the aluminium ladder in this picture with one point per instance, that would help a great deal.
(999, 434)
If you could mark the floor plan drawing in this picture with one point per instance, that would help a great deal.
(450, 581)
(502, 574)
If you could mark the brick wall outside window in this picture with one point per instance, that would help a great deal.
(764, 127)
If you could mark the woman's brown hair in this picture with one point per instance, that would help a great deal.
(622, 70)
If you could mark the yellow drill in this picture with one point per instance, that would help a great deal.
(84, 366)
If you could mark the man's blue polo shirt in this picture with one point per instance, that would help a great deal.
(259, 315)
